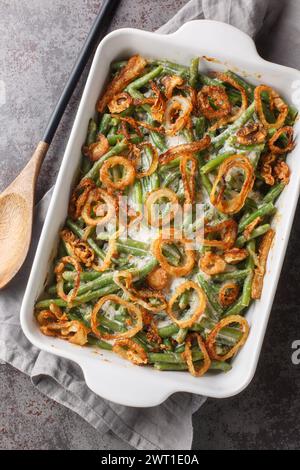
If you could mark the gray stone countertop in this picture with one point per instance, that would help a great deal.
(39, 43)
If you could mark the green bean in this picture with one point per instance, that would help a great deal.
(262, 211)
(210, 294)
(249, 88)
(124, 247)
(172, 357)
(194, 68)
(236, 308)
(274, 192)
(215, 162)
(236, 275)
(219, 140)
(246, 293)
(257, 232)
(206, 80)
(105, 124)
(144, 79)
(70, 276)
(200, 127)
(87, 297)
(117, 65)
(79, 232)
(116, 150)
(100, 343)
(174, 69)
(215, 365)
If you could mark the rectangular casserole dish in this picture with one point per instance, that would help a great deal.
(105, 373)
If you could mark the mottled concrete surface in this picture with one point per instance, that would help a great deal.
(39, 42)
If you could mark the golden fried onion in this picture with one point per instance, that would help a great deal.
(228, 293)
(211, 340)
(198, 310)
(72, 331)
(97, 201)
(152, 209)
(154, 163)
(252, 133)
(97, 149)
(289, 132)
(127, 178)
(171, 82)
(59, 270)
(196, 371)
(178, 110)
(120, 102)
(139, 296)
(134, 312)
(235, 255)
(79, 197)
(131, 351)
(211, 263)
(181, 149)
(216, 94)
(227, 230)
(188, 176)
(275, 102)
(260, 270)
(235, 204)
(171, 238)
(129, 72)
(158, 279)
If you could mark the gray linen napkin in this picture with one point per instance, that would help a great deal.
(168, 426)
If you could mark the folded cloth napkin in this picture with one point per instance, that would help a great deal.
(168, 426)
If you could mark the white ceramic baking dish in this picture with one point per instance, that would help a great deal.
(105, 373)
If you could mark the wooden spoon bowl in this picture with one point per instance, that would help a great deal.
(16, 214)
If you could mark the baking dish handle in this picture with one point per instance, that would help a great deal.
(117, 387)
(214, 35)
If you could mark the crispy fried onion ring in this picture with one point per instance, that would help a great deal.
(178, 110)
(260, 270)
(129, 72)
(289, 132)
(275, 102)
(44, 317)
(137, 124)
(72, 331)
(196, 371)
(98, 202)
(128, 174)
(171, 82)
(211, 340)
(252, 133)
(79, 197)
(273, 169)
(79, 248)
(110, 252)
(217, 95)
(250, 227)
(235, 255)
(188, 176)
(97, 149)
(235, 204)
(124, 280)
(131, 351)
(178, 150)
(211, 263)
(231, 81)
(197, 311)
(120, 102)
(227, 231)
(158, 279)
(170, 238)
(133, 310)
(153, 217)
(136, 156)
(59, 270)
(228, 293)
(159, 106)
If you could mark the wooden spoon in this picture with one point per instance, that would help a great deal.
(17, 201)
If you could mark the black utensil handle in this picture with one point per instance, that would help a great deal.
(97, 31)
